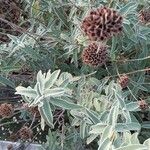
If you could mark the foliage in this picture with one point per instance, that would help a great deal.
(98, 113)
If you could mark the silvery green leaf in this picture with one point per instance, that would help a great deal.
(147, 143)
(133, 147)
(113, 114)
(92, 116)
(146, 124)
(41, 81)
(38, 89)
(98, 128)
(134, 138)
(82, 129)
(120, 99)
(91, 138)
(51, 79)
(37, 100)
(75, 122)
(46, 113)
(42, 123)
(55, 92)
(132, 106)
(122, 127)
(105, 145)
(107, 133)
(29, 92)
(64, 104)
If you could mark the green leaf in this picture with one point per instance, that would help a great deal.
(82, 129)
(5, 81)
(122, 127)
(107, 133)
(133, 147)
(51, 78)
(92, 116)
(55, 92)
(98, 128)
(40, 80)
(29, 92)
(113, 114)
(91, 138)
(64, 104)
(132, 106)
(147, 143)
(46, 113)
(134, 138)
(105, 145)
(146, 124)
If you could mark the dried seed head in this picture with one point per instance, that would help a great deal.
(123, 81)
(145, 16)
(34, 111)
(102, 23)
(6, 110)
(25, 133)
(143, 105)
(94, 55)
(10, 147)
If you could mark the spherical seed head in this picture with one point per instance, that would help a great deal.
(102, 23)
(123, 81)
(6, 110)
(25, 133)
(143, 105)
(145, 16)
(10, 147)
(94, 55)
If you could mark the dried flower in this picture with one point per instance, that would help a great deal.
(143, 105)
(10, 147)
(25, 133)
(94, 55)
(34, 111)
(102, 23)
(6, 110)
(145, 16)
(123, 81)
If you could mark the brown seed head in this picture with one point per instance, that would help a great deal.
(123, 81)
(6, 110)
(143, 105)
(25, 133)
(145, 16)
(10, 147)
(94, 55)
(34, 111)
(102, 23)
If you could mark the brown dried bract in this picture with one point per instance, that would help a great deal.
(25, 133)
(123, 81)
(102, 23)
(94, 55)
(145, 16)
(34, 111)
(6, 110)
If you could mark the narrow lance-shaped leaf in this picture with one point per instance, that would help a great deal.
(64, 104)
(29, 92)
(51, 79)
(55, 92)
(46, 113)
